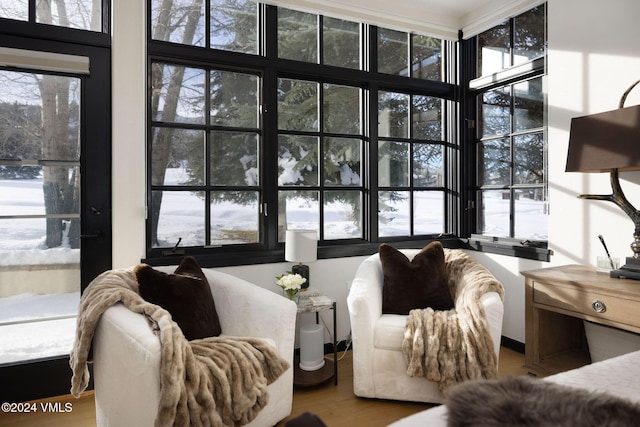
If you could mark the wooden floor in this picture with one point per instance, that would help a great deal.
(337, 406)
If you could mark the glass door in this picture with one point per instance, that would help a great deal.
(39, 214)
(55, 219)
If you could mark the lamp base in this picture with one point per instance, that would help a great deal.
(631, 270)
(311, 347)
(302, 270)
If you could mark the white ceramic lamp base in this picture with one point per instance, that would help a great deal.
(311, 347)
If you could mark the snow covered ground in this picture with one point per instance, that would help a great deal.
(36, 326)
(32, 326)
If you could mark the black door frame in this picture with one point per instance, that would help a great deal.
(35, 379)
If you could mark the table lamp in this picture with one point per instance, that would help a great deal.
(610, 142)
(301, 246)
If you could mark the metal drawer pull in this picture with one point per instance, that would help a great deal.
(599, 306)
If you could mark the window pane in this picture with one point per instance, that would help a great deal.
(298, 210)
(528, 151)
(181, 163)
(393, 213)
(181, 216)
(47, 337)
(297, 105)
(393, 114)
(39, 256)
(494, 49)
(428, 165)
(494, 213)
(234, 158)
(426, 118)
(297, 35)
(495, 112)
(393, 52)
(36, 241)
(20, 193)
(235, 217)
(426, 62)
(342, 215)
(41, 117)
(393, 164)
(528, 105)
(298, 160)
(531, 220)
(428, 212)
(494, 162)
(341, 43)
(235, 99)
(14, 9)
(342, 161)
(182, 22)
(341, 106)
(80, 14)
(529, 35)
(234, 25)
(177, 93)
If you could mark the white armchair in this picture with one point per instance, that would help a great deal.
(379, 367)
(126, 353)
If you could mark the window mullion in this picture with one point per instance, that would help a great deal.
(373, 162)
(270, 157)
(207, 157)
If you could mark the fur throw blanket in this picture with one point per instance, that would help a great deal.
(448, 347)
(529, 402)
(208, 382)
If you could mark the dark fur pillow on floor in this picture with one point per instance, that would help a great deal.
(525, 401)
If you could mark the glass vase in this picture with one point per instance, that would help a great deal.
(292, 294)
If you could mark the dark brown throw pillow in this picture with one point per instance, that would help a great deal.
(185, 294)
(417, 283)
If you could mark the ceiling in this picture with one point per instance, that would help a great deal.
(434, 17)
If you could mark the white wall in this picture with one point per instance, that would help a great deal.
(593, 57)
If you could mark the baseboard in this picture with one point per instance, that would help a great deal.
(512, 344)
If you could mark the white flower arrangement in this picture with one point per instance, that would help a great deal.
(290, 284)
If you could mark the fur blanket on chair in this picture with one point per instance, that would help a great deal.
(448, 347)
(208, 382)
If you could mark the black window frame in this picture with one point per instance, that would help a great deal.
(473, 86)
(271, 68)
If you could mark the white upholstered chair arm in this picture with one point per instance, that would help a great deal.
(126, 357)
(365, 307)
(494, 312)
(365, 297)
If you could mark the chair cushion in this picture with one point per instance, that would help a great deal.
(185, 294)
(388, 332)
(414, 284)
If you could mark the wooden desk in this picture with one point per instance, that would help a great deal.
(558, 299)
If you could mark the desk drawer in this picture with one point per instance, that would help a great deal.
(585, 304)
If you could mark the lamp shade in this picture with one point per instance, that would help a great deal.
(605, 141)
(301, 246)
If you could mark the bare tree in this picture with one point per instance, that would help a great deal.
(162, 137)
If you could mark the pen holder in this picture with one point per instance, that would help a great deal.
(603, 264)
